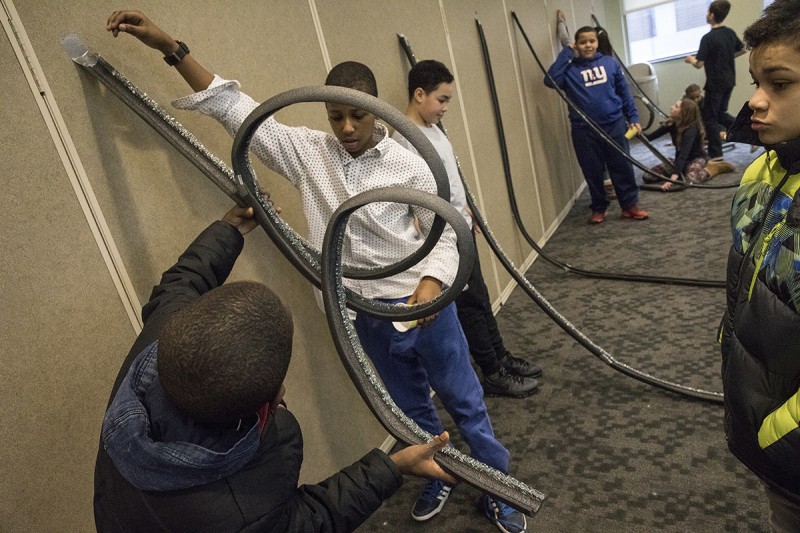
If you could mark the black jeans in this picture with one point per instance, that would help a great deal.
(716, 118)
(478, 322)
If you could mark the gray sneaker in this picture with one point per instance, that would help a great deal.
(506, 384)
(521, 367)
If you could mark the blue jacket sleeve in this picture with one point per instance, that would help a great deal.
(558, 70)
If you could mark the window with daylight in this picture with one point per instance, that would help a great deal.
(664, 29)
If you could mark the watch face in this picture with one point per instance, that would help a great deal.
(176, 57)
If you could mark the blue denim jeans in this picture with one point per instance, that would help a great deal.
(437, 357)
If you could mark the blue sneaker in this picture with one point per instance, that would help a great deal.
(506, 518)
(431, 500)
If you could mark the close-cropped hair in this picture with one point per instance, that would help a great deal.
(693, 92)
(427, 75)
(585, 29)
(720, 10)
(353, 75)
(225, 355)
(780, 22)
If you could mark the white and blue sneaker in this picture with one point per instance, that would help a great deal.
(506, 518)
(431, 500)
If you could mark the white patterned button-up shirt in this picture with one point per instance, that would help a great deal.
(326, 175)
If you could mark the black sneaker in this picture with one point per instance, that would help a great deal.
(506, 518)
(431, 500)
(521, 367)
(505, 383)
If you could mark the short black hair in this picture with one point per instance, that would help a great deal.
(780, 22)
(585, 29)
(720, 10)
(224, 355)
(353, 75)
(427, 75)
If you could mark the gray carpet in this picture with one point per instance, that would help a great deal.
(610, 452)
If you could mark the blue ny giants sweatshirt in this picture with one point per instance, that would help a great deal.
(597, 86)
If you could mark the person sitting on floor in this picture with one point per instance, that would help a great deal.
(688, 136)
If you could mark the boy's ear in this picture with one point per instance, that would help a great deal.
(419, 94)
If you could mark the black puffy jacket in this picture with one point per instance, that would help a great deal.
(761, 329)
(262, 496)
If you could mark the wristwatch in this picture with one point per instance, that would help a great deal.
(178, 55)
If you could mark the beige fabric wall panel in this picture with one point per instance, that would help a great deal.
(483, 131)
(155, 202)
(547, 114)
(64, 327)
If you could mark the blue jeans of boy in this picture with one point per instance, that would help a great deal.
(437, 357)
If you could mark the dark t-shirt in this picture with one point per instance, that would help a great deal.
(717, 50)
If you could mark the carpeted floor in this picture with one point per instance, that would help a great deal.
(614, 454)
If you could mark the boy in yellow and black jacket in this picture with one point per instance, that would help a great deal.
(761, 329)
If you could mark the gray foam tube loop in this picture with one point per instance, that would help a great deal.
(356, 365)
(222, 176)
(361, 100)
(369, 385)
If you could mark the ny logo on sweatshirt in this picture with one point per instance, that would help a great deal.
(594, 76)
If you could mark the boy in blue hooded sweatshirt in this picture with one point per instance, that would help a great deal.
(596, 84)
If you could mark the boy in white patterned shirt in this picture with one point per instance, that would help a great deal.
(327, 171)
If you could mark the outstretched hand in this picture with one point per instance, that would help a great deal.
(418, 460)
(141, 27)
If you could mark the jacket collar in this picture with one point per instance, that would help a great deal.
(788, 152)
(156, 447)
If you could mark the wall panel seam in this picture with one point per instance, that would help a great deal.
(323, 46)
(479, 194)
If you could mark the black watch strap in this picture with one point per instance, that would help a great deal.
(177, 56)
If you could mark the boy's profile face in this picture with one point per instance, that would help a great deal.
(433, 105)
(775, 69)
(352, 126)
(586, 45)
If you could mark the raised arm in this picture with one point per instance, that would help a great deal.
(141, 27)
(558, 70)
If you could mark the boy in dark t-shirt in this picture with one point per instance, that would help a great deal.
(718, 49)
